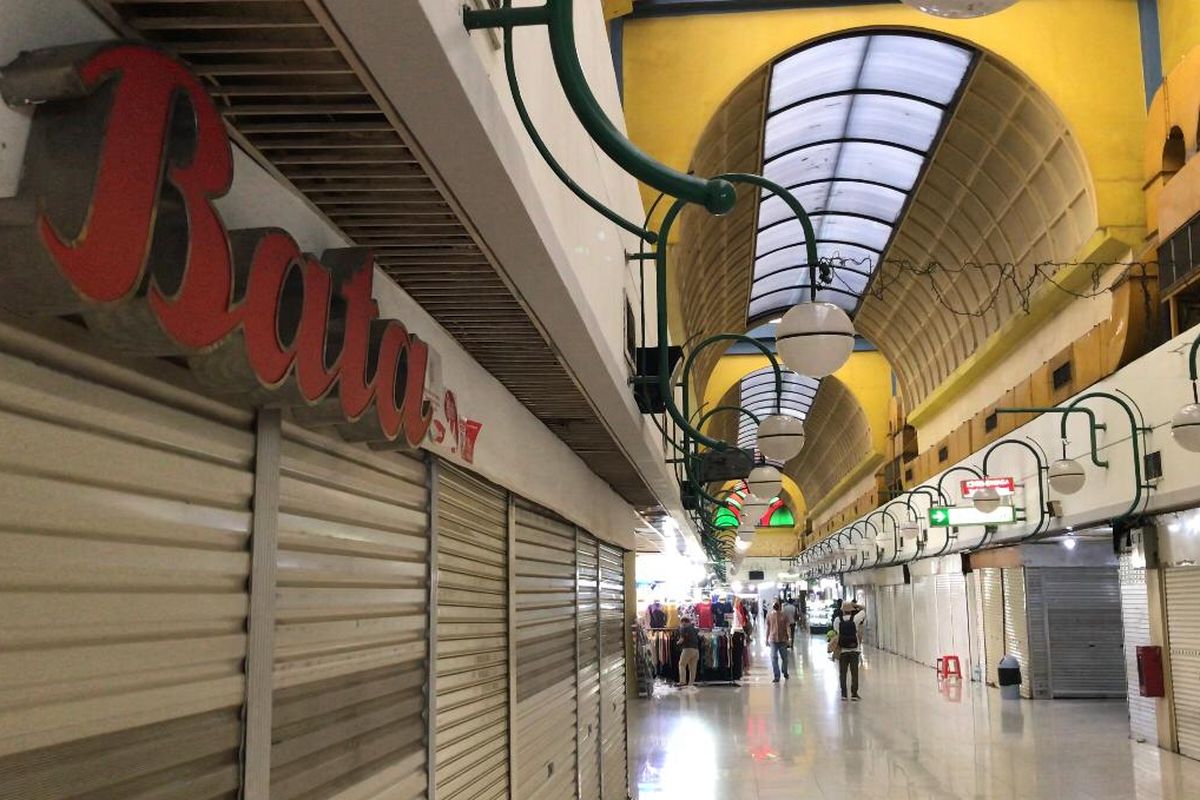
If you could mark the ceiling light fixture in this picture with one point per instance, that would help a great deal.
(780, 437)
(959, 9)
(765, 481)
(1067, 476)
(815, 338)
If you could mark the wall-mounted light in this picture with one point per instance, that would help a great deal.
(765, 482)
(1185, 427)
(959, 9)
(986, 500)
(1067, 476)
(780, 437)
(815, 338)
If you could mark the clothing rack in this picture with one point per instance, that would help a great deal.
(723, 655)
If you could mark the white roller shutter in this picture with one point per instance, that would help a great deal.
(1183, 633)
(1016, 625)
(887, 618)
(124, 529)
(991, 584)
(614, 776)
(546, 721)
(587, 593)
(351, 613)
(925, 620)
(904, 621)
(952, 620)
(472, 640)
(1135, 616)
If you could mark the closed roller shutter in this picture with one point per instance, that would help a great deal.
(614, 773)
(1039, 644)
(1183, 633)
(587, 604)
(1135, 616)
(904, 621)
(1016, 625)
(871, 632)
(350, 621)
(925, 619)
(472, 638)
(887, 618)
(991, 584)
(954, 617)
(546, 673)
(1083, 622)
(124, 529)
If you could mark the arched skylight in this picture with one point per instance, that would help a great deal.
(850, 125)
(758, 397)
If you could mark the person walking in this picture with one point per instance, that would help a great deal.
(789, 611)
(779, 638)
(849, 646)
(689, 653)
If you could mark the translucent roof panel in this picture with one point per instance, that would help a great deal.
(850, 126)
(758, 396)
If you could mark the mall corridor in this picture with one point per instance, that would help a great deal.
(911, 737)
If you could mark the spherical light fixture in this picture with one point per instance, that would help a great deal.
(780, 437)
(986, 500)
(765, 482)
(959, 9)
(1067, 476)
(815, 339)
(1185, 427)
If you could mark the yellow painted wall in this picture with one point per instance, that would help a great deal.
(867, 374)
(768, 542)
(1084, 54)
(1179, 26)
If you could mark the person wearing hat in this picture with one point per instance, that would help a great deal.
(849, 628)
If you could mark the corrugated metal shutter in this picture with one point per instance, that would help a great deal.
(871, 630)
(614, 776)
(925, 620)
(1183, 633)
(350, 627)
(1039, 643)
(124, 529)
(991, 584)
(1016, 624)
(546, 671)
(1135, 616)
(1083, 623)
(472, 638)
(975, 625)
(887, 618)
(952, 615)
(587, 605)
(904, 621)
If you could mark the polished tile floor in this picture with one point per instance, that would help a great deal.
(907, 739)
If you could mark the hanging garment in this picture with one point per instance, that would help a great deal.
(658, 616)
(672, 616)
(704, 617)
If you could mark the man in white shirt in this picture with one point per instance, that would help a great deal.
(849, 636)
(789, 611)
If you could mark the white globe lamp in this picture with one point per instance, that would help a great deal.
(780, 437)
(815, 339)
(986, 499)
(959, 9)
(765, 482)
(1185, 427)
(1067, 476)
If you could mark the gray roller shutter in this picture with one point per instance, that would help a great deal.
(925, 620)
(1039, 642)
(991, 584)
(350, 625)
(904, 621)
(887, 618)
(546, 672)
(953, 614)
(1082, 613)
(587, 604)
(1135, 615)
(1016, 625)
(614, 774)
(1183, 633)
(124, 529)
(472, 640)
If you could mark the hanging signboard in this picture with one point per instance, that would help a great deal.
(1003, 486)
(955, 516)
(114, 225)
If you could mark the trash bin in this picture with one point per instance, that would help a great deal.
(1010, 678)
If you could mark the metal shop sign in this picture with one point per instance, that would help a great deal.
(114, 224)
(1003, 486)
(955, 516)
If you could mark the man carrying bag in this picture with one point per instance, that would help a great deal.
(848, 648)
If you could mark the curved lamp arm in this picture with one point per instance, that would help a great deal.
(715, 194)
(961, 468)
(1040, 477)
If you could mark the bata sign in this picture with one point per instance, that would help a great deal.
(1003, 486)
(114, 223)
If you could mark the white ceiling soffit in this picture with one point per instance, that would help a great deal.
(758, 397)
(850, 125)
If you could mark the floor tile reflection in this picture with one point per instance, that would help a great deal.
(909, 738)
